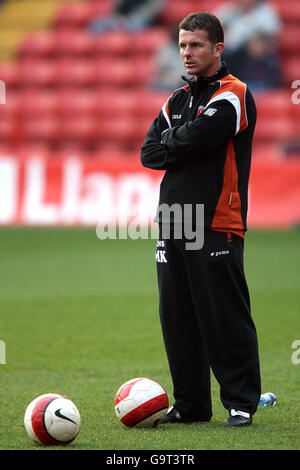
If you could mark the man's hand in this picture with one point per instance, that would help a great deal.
(164, 136)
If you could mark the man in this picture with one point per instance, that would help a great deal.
(202, 137)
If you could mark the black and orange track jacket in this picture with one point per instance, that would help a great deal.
(202, 137)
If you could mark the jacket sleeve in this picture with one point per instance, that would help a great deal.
(204, 134)
(154, 154)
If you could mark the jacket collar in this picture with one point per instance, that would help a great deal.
(202, 82)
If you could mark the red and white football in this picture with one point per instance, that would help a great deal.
(52, 419)
(141, 402)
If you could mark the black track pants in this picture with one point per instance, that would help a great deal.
(206, 323)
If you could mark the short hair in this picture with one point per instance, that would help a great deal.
(204, 21)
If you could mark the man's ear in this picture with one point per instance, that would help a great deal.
(218, 49)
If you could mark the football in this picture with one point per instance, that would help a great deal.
(141, 402)
(52, 419)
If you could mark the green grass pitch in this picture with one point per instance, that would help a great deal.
(79, 317)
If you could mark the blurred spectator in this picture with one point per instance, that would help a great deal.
(168, 65)
(131, 15)
(257, 64)
(251, 28)
(244, 19)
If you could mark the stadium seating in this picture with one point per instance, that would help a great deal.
(112, 102)
(37, 104)
(274, 103)
(280, 127)
(113, 44)
(150, 103)
(70, 42)
(74, 72)
(37, 73)
(38, 44)
(76, 103)
(289, 10)
(8, 129)
(68, 87)
(10, 74)
(81, 129)
(146, 42)
(291, 69)
(12, 106)
(79, 14)
(175, 10)
(289, 40)
(39, 130)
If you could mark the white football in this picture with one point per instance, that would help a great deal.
(141, 402)
(52, 419)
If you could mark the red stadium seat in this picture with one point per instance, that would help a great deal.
(289, 40)
(74, 15)
(274, 103)
(99, 8)
(176, 10)
(78, 15)
(10, 74)
(266, 152)
(111, 72)
(289, 10)
(113, 43)
(291, 69)
(150, 103)
(8, 130)
(42, 130)
(12, 105)
(36, 72)
(209, 5)
(79, 129)
(76, 102)
(274, 129)
(147, 41)
(144, 70)
(35, 103)
(74, 43)
(143, 124)
(122, 131)
(75, 72)
(116, 102)
(41, 44)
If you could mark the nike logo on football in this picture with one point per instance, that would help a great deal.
(59, 415)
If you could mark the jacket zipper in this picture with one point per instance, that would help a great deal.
(190, 107)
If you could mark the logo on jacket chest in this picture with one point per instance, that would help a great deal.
(200, 110)
(177, 116)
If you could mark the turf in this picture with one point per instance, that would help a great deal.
(79, 317)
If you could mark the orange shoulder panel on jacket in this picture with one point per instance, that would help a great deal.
(233, 90)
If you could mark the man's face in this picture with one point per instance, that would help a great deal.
(199, 57)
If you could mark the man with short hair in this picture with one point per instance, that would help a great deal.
(202, 137)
